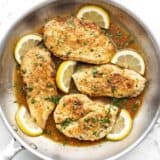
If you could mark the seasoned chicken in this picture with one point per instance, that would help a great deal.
(38, 73)
(73, 39)
(108, 80)
(79, 117)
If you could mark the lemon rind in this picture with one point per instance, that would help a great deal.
(21, 41)
(126, 131)
(100, 10)
(132, 53)
(24, 127)
(59, 76)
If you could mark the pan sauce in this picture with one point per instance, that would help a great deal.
(122, 39)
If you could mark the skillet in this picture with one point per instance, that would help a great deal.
(47, 149)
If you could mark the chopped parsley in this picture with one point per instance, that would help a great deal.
(84, 43)
(119, 102)
(24, 71)
(134, 108)
(30, 89)
(53, 99)
(113, 88)
(33, 101)
(22, 90)
(130, 41)
(49, 85)
(65, 142)
(119, 46)
(47, 131)
(64, 104)
(106, 32)
(94, 72)
(70, 22)
(105, 120)
(68, 53)
(119, 35)
(86, 120)
(95, 133)
(66, 123)
(94, 120)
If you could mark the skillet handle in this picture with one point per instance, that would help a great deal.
(11, 150)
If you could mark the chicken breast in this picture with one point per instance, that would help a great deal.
(79, 117)
(38, 73)
(108, 80)
(73, 39)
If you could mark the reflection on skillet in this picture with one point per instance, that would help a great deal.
(122, 39)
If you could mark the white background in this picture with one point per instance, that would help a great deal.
(149, 13)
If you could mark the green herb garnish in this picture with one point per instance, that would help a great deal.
(33, 101)
(86, 120)
(47, 131)
(119, 102)
(95, 133)
(134, 107)
(119, 35)
(53, 99)
(130, 41)
(30, 89)
(70, 22)
(94, 72)
(68, 53)
(94, 120)
(106, 32)
(49, 85)
(65, 142)
(105, 120)
(24, 71)
(66, 123)
(113, 88)
(84, 43)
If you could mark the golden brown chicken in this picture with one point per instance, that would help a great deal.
(108, 80)
(73, 39)
(79, 117)
(38, 73)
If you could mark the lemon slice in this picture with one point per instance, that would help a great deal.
(122, 128)
(129, 59)
(95, 14)
(26, 43)
(64, 75)
(26, 123)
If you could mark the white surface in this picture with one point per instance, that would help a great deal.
(148, 11)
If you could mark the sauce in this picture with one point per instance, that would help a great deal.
(122, 39)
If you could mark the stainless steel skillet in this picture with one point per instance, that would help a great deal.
(47, 149)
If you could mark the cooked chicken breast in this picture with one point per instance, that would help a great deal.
(108, 80)
(38, 73)
(79, 117)
(73, 39)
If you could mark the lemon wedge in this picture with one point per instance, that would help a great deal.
(64, 75)
(26, 123)
(26, 43)
(95, 14)
(129, 59)
(122, 127)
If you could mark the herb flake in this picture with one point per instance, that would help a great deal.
(53, 99)
(66, 123)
